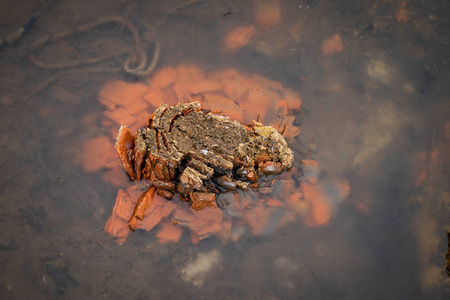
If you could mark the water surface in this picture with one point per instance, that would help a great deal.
(375, 114)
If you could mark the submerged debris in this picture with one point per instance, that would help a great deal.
(57, 268)
(296, 195)
(196, 272)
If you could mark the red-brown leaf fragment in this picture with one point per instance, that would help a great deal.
(142, 207)
(125, 145)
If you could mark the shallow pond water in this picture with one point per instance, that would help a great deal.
(373, 80)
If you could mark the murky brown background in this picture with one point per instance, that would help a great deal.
(376, 114)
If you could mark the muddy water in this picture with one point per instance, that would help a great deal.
(375, 113)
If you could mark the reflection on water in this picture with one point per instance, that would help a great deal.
(372, 77)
